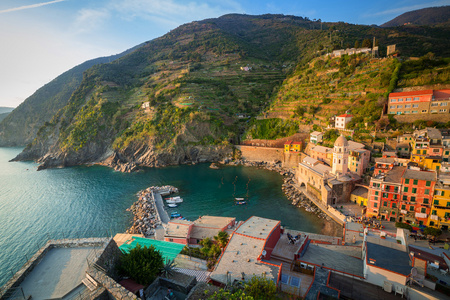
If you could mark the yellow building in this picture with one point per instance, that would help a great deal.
(440, 209)
(292, 146)
(431, 163)
(359, 196)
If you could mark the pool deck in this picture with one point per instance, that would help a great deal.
(59, 272)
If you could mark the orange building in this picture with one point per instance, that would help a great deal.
(419, 102)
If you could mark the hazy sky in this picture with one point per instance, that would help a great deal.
(41, 39)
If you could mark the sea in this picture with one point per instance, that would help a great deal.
(92, 201)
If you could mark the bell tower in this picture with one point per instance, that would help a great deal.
(340, 156)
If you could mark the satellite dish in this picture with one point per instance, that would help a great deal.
(264, 252)
(414, 272)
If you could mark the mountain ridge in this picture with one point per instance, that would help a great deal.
(425, 16)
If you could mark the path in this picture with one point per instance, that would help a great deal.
(162, 215)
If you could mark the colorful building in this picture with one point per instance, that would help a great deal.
(316, 137)
(359, 196)
(419, 102)
(440, 208)
(291, 146)
(417, 193)
(342, 121)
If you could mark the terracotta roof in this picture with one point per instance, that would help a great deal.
(412, 93)
(345, 116)
(442, 94)
(296, 143)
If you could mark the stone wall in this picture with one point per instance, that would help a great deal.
(291, 160)
(278, 143)
(115, 290)
(410, 118)
(266, 154)
(109, 258)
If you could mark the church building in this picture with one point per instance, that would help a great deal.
(332, 185)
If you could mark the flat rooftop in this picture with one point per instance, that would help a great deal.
(421, 175)
(257, 227)
(388, 258)
(177, 228)
(316, 254)
(60, 271)
(213, 221)
(395, 174)
(241, 255)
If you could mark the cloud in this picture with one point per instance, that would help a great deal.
(403, 9)
(29, 6)
(88, 20)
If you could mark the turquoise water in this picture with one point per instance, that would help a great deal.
(92, 201)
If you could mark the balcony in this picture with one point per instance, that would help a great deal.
(434, 217)
(421, 215)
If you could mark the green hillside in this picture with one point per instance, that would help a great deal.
(20, 127)
(207, 81)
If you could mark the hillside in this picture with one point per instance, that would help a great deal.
(4, 111)
(425, 16)
(20, 127)
(206, 81)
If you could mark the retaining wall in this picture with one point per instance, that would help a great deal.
(266, 154)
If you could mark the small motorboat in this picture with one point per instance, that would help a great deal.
(241, 202)
(172, 205)
(175, 215)
(174, 200)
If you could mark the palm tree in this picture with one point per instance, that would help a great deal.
(222, 239)
(168, 268)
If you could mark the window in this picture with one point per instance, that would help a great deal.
(431, 223)
(392, 107)
(415, 105)
(415, 182)
(403, 207)
(444, 104)
(395, 196)
(393, 100)
(406, 112)
(375, 205)
(385, 195)
(433, 212)
(447, 152)
(399, 106)
(400, 100)
(394, 205)
(423, 210)
(448, 204)
(426, 200)
(436, 202)
(408, 99)
(405, 189)
(407, 180)
(416, 99)
(376, 193)
(428, 183)
(414, 111)
(435, 104)
(412, 199)
(427, 191)
(407, 105)
(442, 110)
(414, 190)
(433, 111)
(405, 198)
(411, 208)
(435, 150)
(424, 110)
(385, 203)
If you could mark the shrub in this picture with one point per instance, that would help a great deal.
(142, 264)
(403, 225)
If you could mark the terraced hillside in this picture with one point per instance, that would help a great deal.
(327, 87)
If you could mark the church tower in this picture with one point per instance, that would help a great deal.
(340, 156)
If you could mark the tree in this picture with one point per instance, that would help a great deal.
(432, 231)
(356, 44)
(168, 268)
(141, 264)
(259, 287)
(222, 239)
(366, 43)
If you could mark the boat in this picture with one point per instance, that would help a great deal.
(240, 202)
(175, 215)
(174, 200)
(239, 199)
(172, 205)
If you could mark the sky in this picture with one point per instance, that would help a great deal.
(41, 39)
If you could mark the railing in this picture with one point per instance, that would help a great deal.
(38, 247)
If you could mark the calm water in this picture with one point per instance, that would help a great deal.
(92, 201)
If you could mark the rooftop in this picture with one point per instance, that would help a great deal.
(360, 191)
(434, 133)
(420, 175)
(257, 227)
(316, 133)
(178, 228)
(321, 149)
(345, 116)
(412, 93)
(385, 160)
(387, 258)
(240, 256)
(355, 145)
(213, 221)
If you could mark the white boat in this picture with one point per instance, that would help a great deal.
(174, 200)
(172, 205)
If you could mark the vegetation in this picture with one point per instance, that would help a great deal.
(271, 129)
(432, 231)
(142, 264)
(403, 225)
(258, 288)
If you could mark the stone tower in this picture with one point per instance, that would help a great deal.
(340, 156)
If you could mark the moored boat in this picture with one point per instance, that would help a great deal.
(172, 205)
(174, 200)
